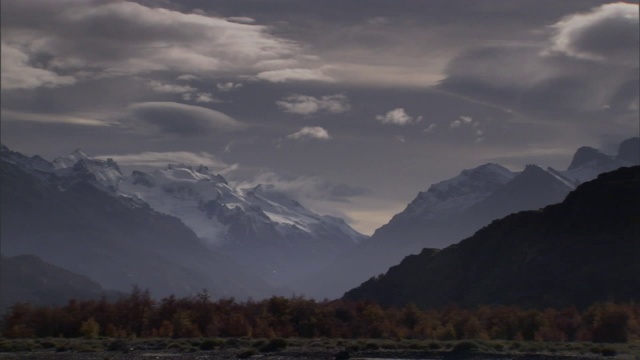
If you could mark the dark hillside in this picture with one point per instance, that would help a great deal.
(583, 250)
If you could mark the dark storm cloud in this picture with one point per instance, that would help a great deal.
(183, 120)
(96, 39)
(576, 71)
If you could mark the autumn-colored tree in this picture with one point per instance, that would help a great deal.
(90, 328)
(278, 317)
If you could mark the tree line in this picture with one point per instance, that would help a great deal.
(138, 315)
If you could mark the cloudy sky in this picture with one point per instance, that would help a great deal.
(351, 106)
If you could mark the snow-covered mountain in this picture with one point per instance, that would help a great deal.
(71, 220)
(79, 165)
(268, 232)
(450, 197)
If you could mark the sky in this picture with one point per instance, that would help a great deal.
(350, 106)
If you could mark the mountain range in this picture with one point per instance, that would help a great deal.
(69, 219)
(454, 209)
(580, 251)
(182, 229)
(175, 231)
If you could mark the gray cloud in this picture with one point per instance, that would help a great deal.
(607, 33)
(310, 132)
(181, 119)
(536, 81)
(307, 105)
(398, 117)
(162, 87)
(69, 119)
(17, 73)
(161, 159)
(297, 74)
(228, 86)
(113, 38)
(305, 188)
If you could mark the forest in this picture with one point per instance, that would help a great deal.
(138, 315)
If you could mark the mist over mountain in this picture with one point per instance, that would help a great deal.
(580, 251)
(454, 209)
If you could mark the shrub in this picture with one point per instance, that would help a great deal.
(247, 353)
(232, 343)
(371, 346)
(611, 326)
(118, 345)
(353, 348)
(90, 329)
(210, 344)
(274, 345)
(6, 345)
(466, 346)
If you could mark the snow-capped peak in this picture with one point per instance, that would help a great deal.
(70, 160)
(106, 172)
(451, 196)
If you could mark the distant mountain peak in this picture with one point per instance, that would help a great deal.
(70, 160)
(629, 150)
(79, 153)
(79, 165)
(587, 154)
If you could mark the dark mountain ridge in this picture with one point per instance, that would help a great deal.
(26, 278)
(583, 250)
(456, 208)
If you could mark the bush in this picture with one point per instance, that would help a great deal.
(274, 345)
(466, 346)
(210, 344)
(353, 348)
(247, 353)
(371, 346)
(6, 345)
(232, 343)
(118, 345)
(611, 326)
(47, 344)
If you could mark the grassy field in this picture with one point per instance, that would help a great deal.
(321, 348)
